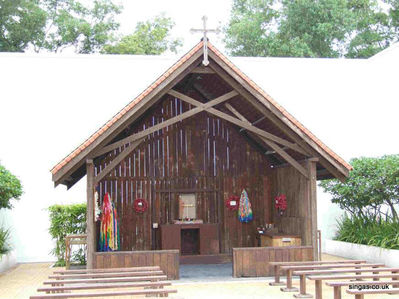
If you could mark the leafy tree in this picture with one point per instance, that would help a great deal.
(151, 37)
(307, 28)
(372, 188)
(372, 31)
(10, 188)
(56, 24)
(21, 22)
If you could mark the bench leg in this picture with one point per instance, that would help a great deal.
(376, 272)
(277, 281)
(302, 288)
(318, 289)
(289, 287)
(337, 292)
(394, 279)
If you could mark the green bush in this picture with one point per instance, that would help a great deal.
(66, 220)
(372, 231)
(4, 239)
(10, 188)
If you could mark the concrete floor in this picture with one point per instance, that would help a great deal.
(197, 281)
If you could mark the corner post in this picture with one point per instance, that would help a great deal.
(311, 166)
(90, 229)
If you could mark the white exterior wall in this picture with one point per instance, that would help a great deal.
(51, 103)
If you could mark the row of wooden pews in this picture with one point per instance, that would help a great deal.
(351, 273)
(149, 281)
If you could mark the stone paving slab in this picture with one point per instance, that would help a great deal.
(22, 282)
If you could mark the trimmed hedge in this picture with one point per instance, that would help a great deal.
(66, 220)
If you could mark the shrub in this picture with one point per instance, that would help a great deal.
(372, 231)
(10, 188)
(66, 220)
(372, 188)
(4, 239)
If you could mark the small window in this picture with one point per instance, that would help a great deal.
(187, 207)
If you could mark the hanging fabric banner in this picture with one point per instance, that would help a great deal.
(109, 230)
(244, 210)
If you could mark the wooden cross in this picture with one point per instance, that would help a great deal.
(205, 30)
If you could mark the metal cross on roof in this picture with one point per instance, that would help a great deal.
(205, 30)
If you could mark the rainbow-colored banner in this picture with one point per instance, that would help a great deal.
(109, 230)
(244, 210)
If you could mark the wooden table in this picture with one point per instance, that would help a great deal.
(73, 240)
(279, 239)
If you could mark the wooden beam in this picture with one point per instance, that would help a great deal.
(90, 229)
(148, 131)
(207, 107)
(272, 145)
(117, 160)
(200, 107)
(202, 70)
(214, 102)
(312, 201)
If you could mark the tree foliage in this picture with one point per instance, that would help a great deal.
(309, 28)
(10, 188)
(372, 188)
(151, 37)
(56, 24)
(21, 22)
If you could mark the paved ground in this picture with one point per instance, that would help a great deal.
(197, 281)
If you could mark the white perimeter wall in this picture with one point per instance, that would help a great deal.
(50, 104)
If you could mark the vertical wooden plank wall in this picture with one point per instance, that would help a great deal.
(202, 155)
(167, 260)
(254, 262)
(300, 218)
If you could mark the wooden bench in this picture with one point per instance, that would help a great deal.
(360, 294)
(291, 269)
(337, 285)
(105, 275)
(60, 289)
(278, 265)
(107, 280)
(108, 270)
(313, 275)
(106, 294)
(94, 281)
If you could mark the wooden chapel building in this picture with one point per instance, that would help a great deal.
(198, 135)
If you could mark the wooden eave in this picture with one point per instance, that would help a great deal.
(72, 168)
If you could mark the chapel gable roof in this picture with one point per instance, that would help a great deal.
(220, 77)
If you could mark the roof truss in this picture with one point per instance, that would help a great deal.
(105, 140)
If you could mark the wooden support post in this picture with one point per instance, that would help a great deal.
(277, 281)
(90, 228)
(318, 289)
(337, 292)
(376, 272)
(359, 296)
(311, 223)
(395, 278)
(289, 287)
(302, 288)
